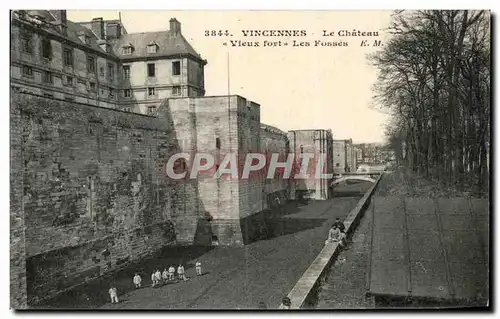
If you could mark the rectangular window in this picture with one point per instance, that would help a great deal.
(68, 57)
(92, 87)
(217, 143)
(69, 80)
(46, 49)
(176, 68)
(126, 93)
(111, 72)
(151, 69)
(111, 93)
(176, 90)
(91, 64)
(151, 110)
(26, 43)
(126, 71)
(27, 71)
(47, 77)
(151, 48)
(101, 71)
(151, 91)
(127, 51)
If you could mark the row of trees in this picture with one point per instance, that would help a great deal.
(434, 78)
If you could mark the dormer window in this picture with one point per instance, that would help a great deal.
(152, 47)
(128, 49)
(84, 38)
(105, 47)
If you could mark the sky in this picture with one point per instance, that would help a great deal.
(303, 87)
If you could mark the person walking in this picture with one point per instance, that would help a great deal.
(198, 268)
(113, 293)
(137, 281)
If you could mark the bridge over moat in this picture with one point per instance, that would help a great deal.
(355, 176)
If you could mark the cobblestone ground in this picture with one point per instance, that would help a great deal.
(345, 285)
(263, 271)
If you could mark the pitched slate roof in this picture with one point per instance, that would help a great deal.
(73, 30)
(168, 44)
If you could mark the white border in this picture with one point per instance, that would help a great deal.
(186, 4)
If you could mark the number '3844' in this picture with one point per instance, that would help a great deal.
(215, 33)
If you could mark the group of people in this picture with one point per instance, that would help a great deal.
(337, 233)
(158, 278)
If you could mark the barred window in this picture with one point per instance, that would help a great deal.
(68, 57)
(26, 43)
(46, 49)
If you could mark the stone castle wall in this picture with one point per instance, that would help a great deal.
(89, 192)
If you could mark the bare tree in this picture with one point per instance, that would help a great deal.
(434, 78)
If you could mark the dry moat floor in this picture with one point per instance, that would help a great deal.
(263, 271)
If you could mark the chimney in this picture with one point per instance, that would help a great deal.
(175, 26)
(113, 31)
(59, 15)
(98, 27)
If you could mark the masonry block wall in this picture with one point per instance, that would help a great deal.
(94, 196)
(317, 142)
(188, 205)
(90, 194)
(18, 290)
(251, 189)
(275, 141)
(213, 130)
(339, 156)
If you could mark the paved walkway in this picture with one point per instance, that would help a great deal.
(263, 271)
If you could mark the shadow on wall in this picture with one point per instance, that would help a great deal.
(273, 222)
(303, 195)
(114, 259)
(95, 293)
(159, 214)
(184, 215)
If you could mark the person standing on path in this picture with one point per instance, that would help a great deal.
(153, 279)
(171, 273)
(164, 276)
(113, 293)
(181, 273)
(137, 281)
(198, 268)
(158, 277)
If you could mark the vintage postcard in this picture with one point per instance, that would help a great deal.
(276, 160)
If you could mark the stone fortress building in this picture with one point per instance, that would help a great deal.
(96, 112)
